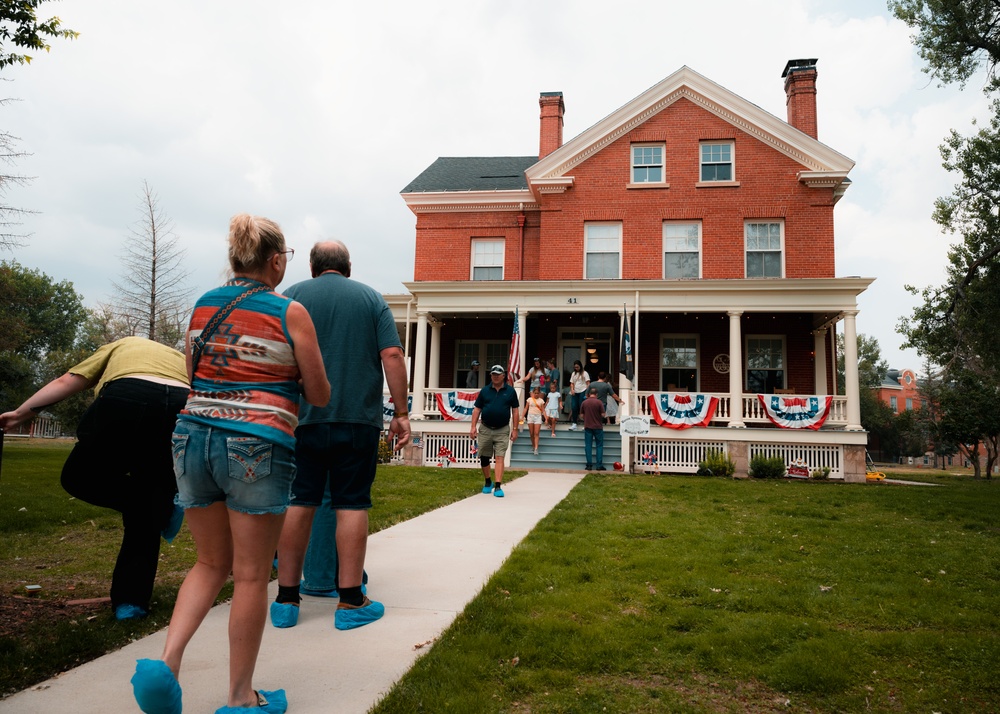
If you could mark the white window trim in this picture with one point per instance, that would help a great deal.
(697, 355)
(632, 183)
(481, 356)
(701, 253)
(472, 256)
(732, 163)
(586, 252)
(746, 356)
(781, 250)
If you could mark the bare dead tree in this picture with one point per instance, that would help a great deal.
(10, 216)
(152, 290)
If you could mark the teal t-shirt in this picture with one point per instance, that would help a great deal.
(353, 324)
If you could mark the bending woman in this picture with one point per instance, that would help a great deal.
(248, 348)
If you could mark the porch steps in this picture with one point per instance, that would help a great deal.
(563, 451)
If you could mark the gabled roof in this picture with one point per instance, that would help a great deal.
(473, 173)
(824, 166)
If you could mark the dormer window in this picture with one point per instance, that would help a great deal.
(647, 163)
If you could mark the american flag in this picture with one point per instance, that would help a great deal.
(514, 360)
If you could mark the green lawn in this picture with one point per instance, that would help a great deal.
(635, 594)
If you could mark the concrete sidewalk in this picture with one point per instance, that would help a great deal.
(424, 571)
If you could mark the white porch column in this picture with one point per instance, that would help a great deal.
(852, 386)
(434, 368)
(735, 370)
(522, 321)
(819, 352)
(419, 362)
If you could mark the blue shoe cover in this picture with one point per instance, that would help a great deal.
(173, 526)
(498, 492)
(155, 687)
(128, 611)
(284, 614)
(488, 489)
(277, 703)
(347, 617)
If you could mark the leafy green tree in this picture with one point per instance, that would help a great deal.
(39, 316)
(21, 28)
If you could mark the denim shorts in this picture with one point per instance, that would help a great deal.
(252, 475)
(346, 453)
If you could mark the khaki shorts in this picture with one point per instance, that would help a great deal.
(493, 442)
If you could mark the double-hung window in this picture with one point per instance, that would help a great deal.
(647, 163)
(765, 364)
(487, 259)
(681, 250)
(679, 363)
(763, 249)
(716, 161)
(602, 251)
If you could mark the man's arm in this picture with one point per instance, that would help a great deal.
(394, 366)
(475, 421)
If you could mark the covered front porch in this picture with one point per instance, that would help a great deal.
(730, 340)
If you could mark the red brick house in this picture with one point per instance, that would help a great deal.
(705, 220)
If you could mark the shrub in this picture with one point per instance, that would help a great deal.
(767, 467)
(716, 463)
(820, 474)
(384, 452)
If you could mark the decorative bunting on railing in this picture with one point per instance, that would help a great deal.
(682, 411)
(456, 406)
(796, 412)
(388, 408)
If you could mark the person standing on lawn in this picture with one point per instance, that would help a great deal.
(337, 444)
(593, 429)
(498, 406)
(122, 457)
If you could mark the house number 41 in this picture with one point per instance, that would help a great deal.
(571, 301)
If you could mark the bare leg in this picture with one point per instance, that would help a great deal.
(352, 545)
(255, 538)
(536, 430)
(210, 528)
(292, 544)
(498, 469)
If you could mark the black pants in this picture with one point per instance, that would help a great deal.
(123, 461)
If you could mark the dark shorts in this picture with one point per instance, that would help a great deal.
(347, 453)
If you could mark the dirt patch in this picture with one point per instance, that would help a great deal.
(19, 614)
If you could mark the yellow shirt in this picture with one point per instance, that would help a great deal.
(132, 357)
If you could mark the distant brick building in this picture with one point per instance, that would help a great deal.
(690, 210)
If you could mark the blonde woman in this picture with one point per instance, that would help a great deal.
(250, 353)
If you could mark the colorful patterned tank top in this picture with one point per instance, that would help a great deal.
(247, 378)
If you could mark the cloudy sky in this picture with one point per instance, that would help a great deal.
(317, 114)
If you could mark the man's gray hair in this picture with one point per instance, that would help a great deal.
(330, 255)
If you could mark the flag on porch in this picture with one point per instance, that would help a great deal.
(514, 360)
(625, 359)
(796, 412)
(682, 411)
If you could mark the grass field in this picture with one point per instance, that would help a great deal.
(635, 594)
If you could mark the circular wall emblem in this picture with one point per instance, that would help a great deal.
(721, 364)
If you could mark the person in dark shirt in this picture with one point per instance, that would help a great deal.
(498, 406)
(593, 413)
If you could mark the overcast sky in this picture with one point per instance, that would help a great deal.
(317, 114)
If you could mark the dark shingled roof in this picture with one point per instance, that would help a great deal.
(473, 173)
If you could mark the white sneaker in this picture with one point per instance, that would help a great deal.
(572, 427)
(536, 452)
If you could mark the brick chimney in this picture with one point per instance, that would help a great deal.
(551, 124)
(800, 94)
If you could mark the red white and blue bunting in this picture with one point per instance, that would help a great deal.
(456, 406)
(682, 411)
(796, 412)
(389, 409)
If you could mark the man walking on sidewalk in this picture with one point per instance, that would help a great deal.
(336, 446)
(498, 405)
(593, 428)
